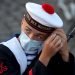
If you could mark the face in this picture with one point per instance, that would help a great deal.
(33, 33)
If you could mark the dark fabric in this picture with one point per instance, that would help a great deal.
(8, 62)
(56, 66)
(39, 69)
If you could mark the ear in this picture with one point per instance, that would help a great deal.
(23, 19)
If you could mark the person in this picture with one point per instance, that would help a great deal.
(41, 48)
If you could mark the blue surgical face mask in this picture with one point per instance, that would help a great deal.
(29, 45)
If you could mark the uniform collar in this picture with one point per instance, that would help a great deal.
(15, 47)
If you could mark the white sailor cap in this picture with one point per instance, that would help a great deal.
(42, 17)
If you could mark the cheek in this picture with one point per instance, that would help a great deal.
(22, 28)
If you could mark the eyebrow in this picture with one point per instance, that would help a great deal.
(39, 34)
(28, 28)
(36, 33)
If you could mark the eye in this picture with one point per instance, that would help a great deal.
(39, 37)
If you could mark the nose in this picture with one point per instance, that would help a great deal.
(31, 35)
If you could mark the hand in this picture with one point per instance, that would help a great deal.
(51, 46)
(64, 51)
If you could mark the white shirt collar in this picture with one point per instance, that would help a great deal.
(14, 45)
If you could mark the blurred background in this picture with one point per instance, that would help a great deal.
(12, 11)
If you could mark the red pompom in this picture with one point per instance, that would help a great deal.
(48, 8)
